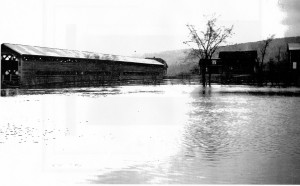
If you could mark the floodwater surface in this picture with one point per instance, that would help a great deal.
(150, 134)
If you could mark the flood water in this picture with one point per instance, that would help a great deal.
(150, 134)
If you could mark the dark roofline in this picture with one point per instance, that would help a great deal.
(244, 51)
(238, 54)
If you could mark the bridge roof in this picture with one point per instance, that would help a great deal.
(55, 52)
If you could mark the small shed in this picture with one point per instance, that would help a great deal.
(294, 59)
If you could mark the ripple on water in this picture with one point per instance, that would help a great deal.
(175, 133)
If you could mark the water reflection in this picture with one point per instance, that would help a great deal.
(151, 134)
(227, 138)
(232, 133)
(204, 133)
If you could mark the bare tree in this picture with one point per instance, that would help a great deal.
(263, 49)
(262, 54)
(205, 43)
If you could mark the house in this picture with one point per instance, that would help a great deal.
(239, 62)
(294, 59)
(215, 66)
(238, 66)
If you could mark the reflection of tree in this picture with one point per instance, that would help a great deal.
(207, 133)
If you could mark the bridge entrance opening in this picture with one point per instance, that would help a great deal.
(9, 71)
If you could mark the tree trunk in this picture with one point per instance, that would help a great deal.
(209, 77)
(202, 64)
(203, 78)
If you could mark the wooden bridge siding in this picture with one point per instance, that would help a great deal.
(143, 68)
(30, 68)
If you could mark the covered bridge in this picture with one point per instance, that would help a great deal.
(32, 66)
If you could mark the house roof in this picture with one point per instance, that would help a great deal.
(251, 54)
(294, 46)
(54, 52)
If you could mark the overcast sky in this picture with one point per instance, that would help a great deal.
(128, 27)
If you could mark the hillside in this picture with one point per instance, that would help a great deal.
(179, 62)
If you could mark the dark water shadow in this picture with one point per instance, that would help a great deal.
(246, 90)
(84, 91)
(81, 92)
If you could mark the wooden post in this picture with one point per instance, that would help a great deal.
(20, 70)
(0, 69)
(202, 65)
